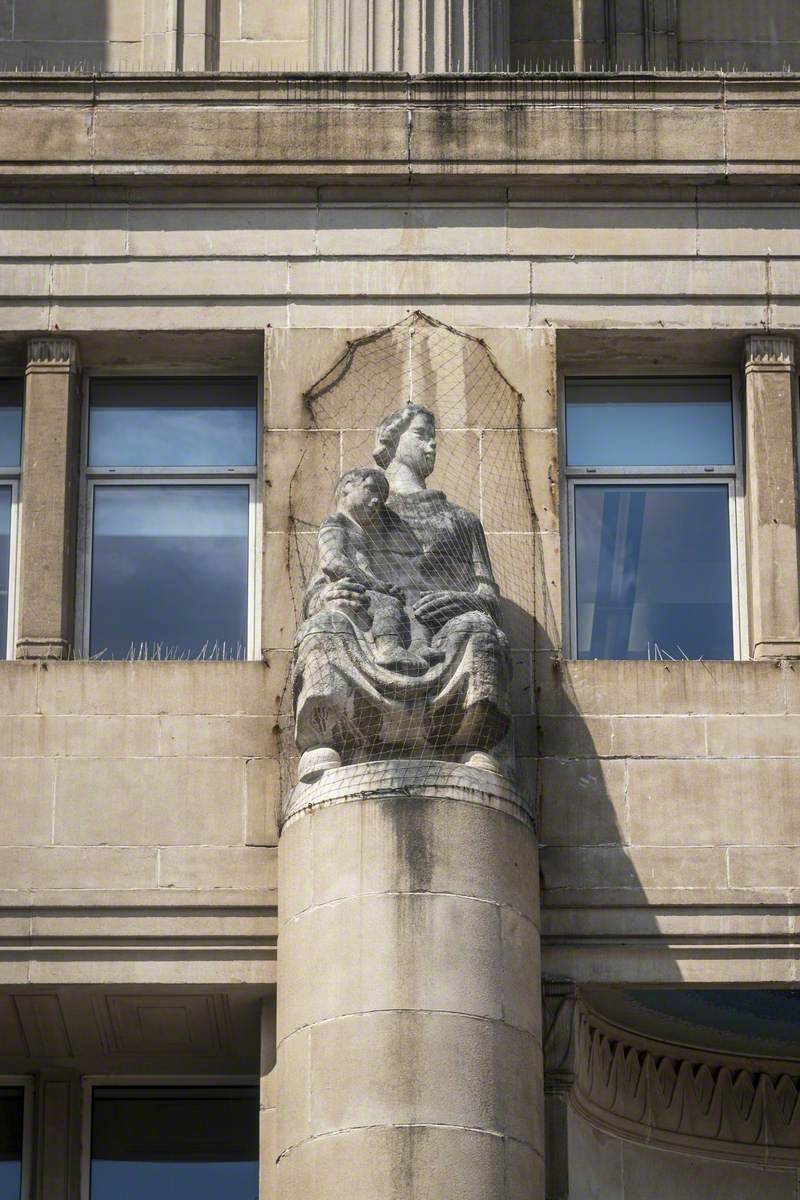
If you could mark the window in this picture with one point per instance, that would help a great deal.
(15, 1114)
(171, 469)
(174, 1143)
(10, 458)
(651, 467)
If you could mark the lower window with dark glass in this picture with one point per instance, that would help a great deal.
(653, 475)
(12, 1114)
(174, 1143)
(653, 571)
(169, 573)
(170, 471)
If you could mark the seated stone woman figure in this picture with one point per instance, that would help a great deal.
(349, 705)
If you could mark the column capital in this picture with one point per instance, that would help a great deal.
(769, 351)
(53, 354)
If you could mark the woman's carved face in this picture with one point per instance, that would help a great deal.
(416, 447)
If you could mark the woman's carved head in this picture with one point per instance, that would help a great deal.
(407, 436)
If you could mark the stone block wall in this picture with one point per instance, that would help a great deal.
(665, 789)
(91, 35)
(144, 793)
(263, 35)
(274, 35)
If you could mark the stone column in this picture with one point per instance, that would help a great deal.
(409, 1010)
(558, 997)
(772, 496)
(50, 468)
(409, 35)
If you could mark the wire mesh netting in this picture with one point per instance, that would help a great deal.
(412, 539)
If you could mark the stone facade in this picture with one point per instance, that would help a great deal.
(422, 969)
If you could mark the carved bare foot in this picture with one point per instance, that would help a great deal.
(314, 762)
(482, 760)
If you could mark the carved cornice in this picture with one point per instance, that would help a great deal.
(713, 1108)
(769, 351)
(53, 353)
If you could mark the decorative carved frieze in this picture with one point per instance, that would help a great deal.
(769, 350)
(52, 353)
(724, 1108)
(416, 36)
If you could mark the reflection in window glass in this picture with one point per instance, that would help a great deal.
(170, 571)
(143, 422)
(10, 422)
(12, 1107)
(653, 571)
(649, 422)
(174, 1144)
(5, 565)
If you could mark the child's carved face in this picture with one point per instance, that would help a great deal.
(362, 498)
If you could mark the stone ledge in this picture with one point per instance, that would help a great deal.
(329, 128)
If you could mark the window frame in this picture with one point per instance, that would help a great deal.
(733, 476)
(92, 477)
(26, 1083)
(90, 1082)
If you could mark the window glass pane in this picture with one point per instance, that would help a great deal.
(653, 571)
(10, 422)
(174, 1144)
(169, 571)
(5, 565)
(12, 1104)
(649, 422)
(172, 423)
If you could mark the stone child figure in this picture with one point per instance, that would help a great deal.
(354, 543)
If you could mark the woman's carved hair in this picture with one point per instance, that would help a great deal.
(388, 433)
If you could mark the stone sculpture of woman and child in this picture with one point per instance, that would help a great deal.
(400, 653)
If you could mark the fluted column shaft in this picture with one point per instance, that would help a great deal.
(410, 35)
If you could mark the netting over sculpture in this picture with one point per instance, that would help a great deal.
(401, 589)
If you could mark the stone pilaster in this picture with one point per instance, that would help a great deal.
(268, 1098)
(558, 1009)
(409, 35)
(58, 1138)
(409, 1007)
(772, 496)
(50, 452)
(661, 35)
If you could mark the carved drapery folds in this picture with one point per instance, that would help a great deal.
(404, 594)
(724, 1108)
(410, 35)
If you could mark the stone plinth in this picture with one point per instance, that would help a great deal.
(409, 1012)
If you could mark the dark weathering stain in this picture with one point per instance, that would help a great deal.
(412, 831)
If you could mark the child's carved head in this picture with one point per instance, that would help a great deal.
(362, 493)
